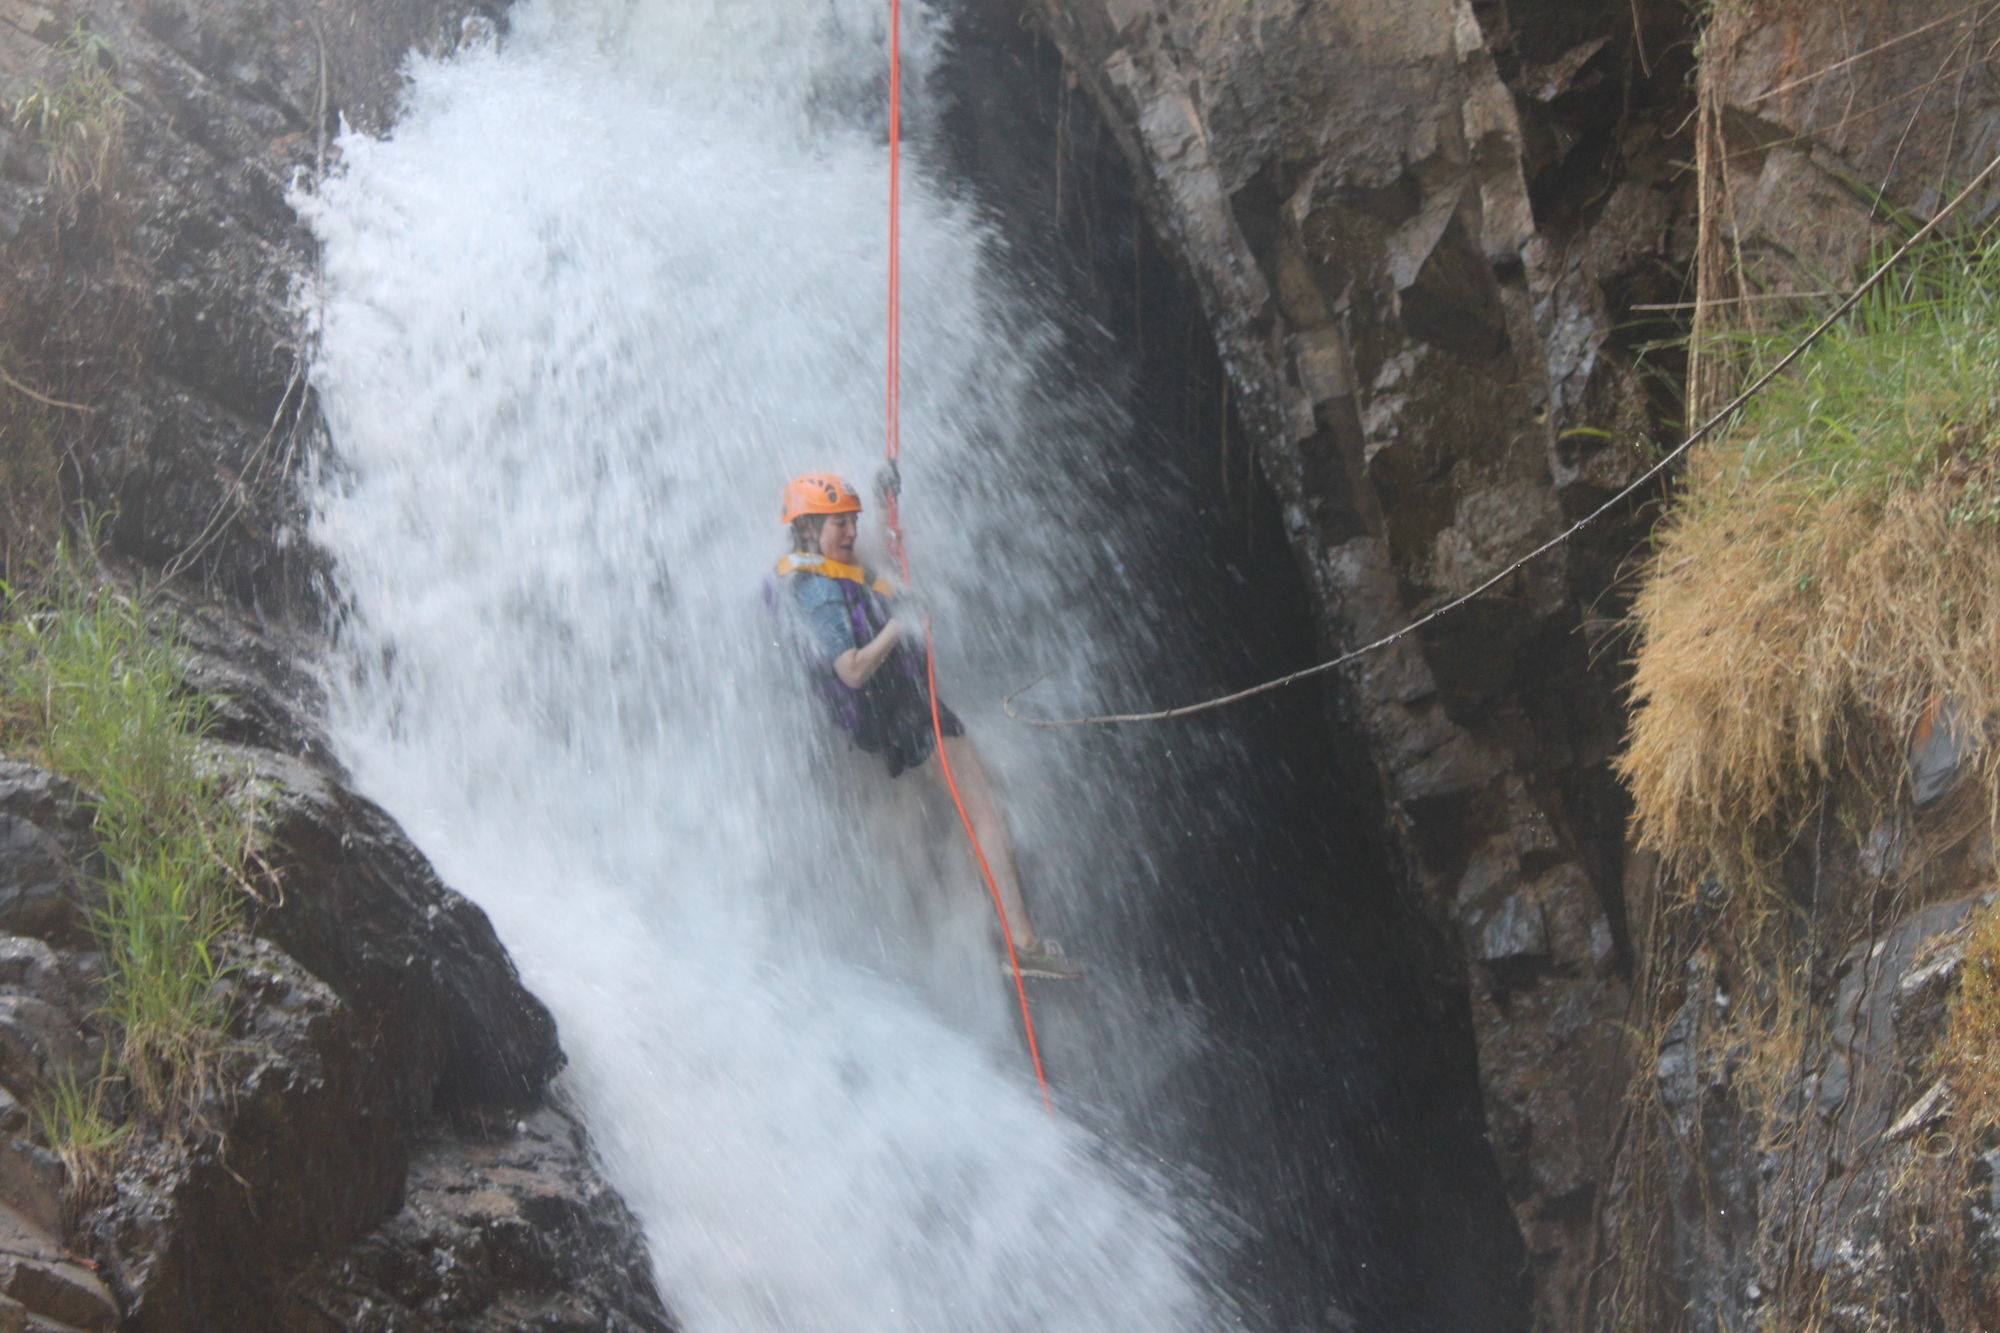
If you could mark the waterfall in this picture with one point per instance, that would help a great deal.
(606, 285)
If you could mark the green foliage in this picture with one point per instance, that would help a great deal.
(88, 686)
(73, 1117)
(1903, 388)
(76, 116)
(1829, 574)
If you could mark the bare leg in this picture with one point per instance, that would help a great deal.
(989, 822)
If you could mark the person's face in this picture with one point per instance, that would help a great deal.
(836, 537)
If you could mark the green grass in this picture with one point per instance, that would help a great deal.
(1901, 388)
(73, 1116)
(1830, 573)
(89, 688)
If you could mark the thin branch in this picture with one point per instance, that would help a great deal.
(42, 398)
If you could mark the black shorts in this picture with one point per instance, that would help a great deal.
(896, 722)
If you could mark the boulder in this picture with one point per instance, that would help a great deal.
(38, 1042)
(514, 1230)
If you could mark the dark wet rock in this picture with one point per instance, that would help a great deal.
(1416, 231)
(419, 960)
(31, 967)
(38, 1042)
(508, 1227)
(368, 1001)
(206, 1234)
(261, 694)
(1514, 933)
(1946, 740)
(32, 1183)
(45, 850)
(1830, 112)
(1742, 1196)
(46, 1287)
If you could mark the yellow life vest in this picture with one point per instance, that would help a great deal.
(806, 562)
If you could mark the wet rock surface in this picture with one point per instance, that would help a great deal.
(506, 1225)
(1815, 1190)
(1417, 231)
(1834, 124)
(1432, 241)
(380, 1111)
(148, 289)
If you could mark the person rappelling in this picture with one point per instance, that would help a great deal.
(875, 679)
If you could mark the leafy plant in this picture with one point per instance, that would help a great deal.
(94, 691)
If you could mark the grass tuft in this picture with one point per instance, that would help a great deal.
(77, 117)
(74, 1117)
(1830, 576)
(89, 687)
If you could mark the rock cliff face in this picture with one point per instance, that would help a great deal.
(1417, 230)
(150, 255)
(1434, 241)
(383, 1151)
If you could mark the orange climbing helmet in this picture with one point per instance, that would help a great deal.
(819, 493)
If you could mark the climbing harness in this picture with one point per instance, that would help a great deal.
(1701, 433)
(891, 491)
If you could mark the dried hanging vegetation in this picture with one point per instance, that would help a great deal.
(1824, 595)
(1831, 575)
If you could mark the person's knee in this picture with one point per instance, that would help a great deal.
(966, 765)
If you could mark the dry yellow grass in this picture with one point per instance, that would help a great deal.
(1827, 582)
(1784, 644)
(1969, 1054)
(1831, 573)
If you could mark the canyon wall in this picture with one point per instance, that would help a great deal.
(1451, 254)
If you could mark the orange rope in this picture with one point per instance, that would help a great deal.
(893, 448)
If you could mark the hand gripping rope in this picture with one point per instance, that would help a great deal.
(893, 450)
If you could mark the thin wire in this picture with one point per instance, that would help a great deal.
(1707, 427)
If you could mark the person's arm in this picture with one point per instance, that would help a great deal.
(856, 665)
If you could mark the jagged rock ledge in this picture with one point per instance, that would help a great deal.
(381, 1151)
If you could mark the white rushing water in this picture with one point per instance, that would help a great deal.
(605, 287)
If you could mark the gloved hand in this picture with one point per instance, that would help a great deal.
(888, 483)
